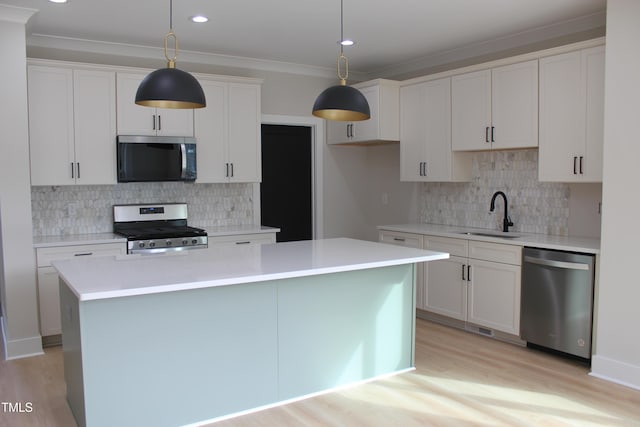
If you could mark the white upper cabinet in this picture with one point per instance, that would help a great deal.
(72, 125)
(496, 108)
(383, 126)
(425, 135)
(572, 116)
(134, 119)
(228, 132)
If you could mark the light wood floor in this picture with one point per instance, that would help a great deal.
(461, 379)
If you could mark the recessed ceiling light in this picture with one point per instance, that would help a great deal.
(347, 42)
(199, 19)
(58, 1)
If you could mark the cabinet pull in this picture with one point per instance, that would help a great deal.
(424, 169)
(153, 118)
(243, 243)
(486, 134)
(84, 254)
(159, 122)
(78, 169)
(581, 157)
(468, 273)
(226, 172)
(72, 174)
(575, 160)
(231, 169)
(398, 239)
(463, 278)
(493, 128)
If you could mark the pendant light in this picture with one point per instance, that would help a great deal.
(341, 102)
(170, 87)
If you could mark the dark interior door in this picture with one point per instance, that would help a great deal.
(286, 188)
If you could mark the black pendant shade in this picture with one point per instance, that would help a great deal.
(341, 103)
(170, 88)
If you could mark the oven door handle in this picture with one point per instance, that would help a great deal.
(183, 155)
(558, 264)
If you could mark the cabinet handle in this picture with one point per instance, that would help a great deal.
(84, 254)
(243, 243)
(468, 273)
(72, 173)
(153, 118)
(398, 239)
(226, 172)
(424, 169)
(493, 129)
(581, 157)
(575, 160)
(231, 169)
(159, 122)
(78, 169)
(486, 134)
(463, 278)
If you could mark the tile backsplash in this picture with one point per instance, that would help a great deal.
(534, 207)
(64, 210)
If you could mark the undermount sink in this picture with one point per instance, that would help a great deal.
(499, 234)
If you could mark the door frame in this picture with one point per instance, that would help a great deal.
(317, 126)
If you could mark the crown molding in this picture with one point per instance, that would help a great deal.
(503, 44)
(18, 15)
(138, 51)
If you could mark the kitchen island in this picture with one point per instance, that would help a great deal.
(169, 340)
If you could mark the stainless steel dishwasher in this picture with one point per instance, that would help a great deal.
(557, 300)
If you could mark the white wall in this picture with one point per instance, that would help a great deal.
(18, 279)
(617, 353)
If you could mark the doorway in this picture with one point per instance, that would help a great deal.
(286, 191)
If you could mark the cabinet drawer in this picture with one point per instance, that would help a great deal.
(243, 239)
(44, 256)
(401, 239)
(455, 247)
(496, 252)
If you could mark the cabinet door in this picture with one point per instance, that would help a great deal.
(514, 105)
(494, 296)
(211, 133)
(446, 287)
(338, 132)
(134, 119)
(244, 133)
(95, 126)
(49, 301)
(562, 118)
(368, 130)
(413, 133)
(51, 135)
(471, 111)
(593, 61)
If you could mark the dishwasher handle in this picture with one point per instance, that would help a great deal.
(558, 264)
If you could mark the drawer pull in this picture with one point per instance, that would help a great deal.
(398, 239)
(243, 243)
(84, 254)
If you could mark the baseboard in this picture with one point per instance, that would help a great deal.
(18, 349)
(615, 371)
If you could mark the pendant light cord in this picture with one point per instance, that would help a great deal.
(171, 35)
(342, 58)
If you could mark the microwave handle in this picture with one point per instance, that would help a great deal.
(183, 153)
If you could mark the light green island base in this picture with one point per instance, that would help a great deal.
(190, 356)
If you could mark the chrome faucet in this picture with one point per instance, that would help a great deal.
(506, 222)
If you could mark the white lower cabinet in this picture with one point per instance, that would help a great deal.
(242, 239)
(48, 287)
(409, 240)
(478, 284)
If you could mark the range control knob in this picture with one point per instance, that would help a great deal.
(185, 242)
(152, 244)
(168, 242)
(141, 245)
(194, 241)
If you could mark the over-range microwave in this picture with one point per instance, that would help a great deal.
(143, 158)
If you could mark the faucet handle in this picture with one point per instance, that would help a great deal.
(509, 222)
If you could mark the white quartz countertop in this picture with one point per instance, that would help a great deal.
(98, 238)
(77, 239)
(563, 243)
(129, 275)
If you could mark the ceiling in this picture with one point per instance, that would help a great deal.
(390, 35)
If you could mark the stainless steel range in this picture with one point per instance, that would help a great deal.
(157, 228)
